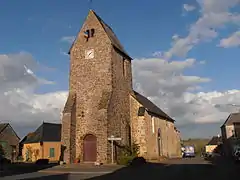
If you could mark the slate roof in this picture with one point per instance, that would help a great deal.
(112, 36)
(47, 132)
(232, 118)
(69, 103)
(151, 107)
(215, 141)
(3, 126)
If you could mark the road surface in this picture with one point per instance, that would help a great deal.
(195, 169)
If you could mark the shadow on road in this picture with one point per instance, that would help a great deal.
(196, 169)
(215, 168)
(22, 168)
(51, 177)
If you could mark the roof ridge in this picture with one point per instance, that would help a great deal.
(157, 110)
(115, 42)
(50, 123)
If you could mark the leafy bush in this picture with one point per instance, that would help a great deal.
(20, 158)
(128, 154)
(137, 161)
(2, 153)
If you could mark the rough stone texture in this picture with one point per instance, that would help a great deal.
(102, 104)
(145, 133)
(9, 136)
(138, 127)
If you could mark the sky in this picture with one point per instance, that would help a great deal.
(185, 57)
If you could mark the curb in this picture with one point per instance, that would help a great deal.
(75, 172)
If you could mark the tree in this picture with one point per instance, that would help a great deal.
(2, 153)
(29, 153)
(36, 153)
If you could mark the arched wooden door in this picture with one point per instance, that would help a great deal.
(90, 148)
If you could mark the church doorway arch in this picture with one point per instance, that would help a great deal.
(90, 148)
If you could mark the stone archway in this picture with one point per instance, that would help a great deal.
(159, 140)
(90, 148)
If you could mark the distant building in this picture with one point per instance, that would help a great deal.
(44, 143)
(9, 142)
(231, 132)
(102, 102)
(213, 145)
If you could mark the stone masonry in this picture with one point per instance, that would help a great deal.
(145, 133)
(102, 103)
(100, 89)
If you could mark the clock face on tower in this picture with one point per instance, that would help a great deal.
(89, 54)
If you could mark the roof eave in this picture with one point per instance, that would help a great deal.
(158, 115)
(121, 52)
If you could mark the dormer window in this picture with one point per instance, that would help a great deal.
(141, 111)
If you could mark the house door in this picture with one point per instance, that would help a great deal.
(90, 148)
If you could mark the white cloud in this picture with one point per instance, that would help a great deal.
(163, 81)
(173, 92)
(231, 41)
(215, 14)
(19, 104)
(68, 39)
(188, 7)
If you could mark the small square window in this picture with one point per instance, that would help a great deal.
(52, 152)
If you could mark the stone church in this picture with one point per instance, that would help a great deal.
(102, 103)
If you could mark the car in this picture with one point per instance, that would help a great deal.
(236, 155)
(189, 152)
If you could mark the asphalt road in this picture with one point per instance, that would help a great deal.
(196, 169)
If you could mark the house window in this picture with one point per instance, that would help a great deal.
(52, 152)
(153, 126)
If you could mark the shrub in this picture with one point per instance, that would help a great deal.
(137, 161)
(128, 154)
(2, 153)
(20, 158)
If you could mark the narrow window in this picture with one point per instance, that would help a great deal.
(52, 153)
(153, 125)
(86, 34)
(92, 32)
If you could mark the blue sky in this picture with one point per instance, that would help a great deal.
(143, 27)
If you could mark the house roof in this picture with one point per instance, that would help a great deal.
(111, 35)
(47, 132)
(151, 107)
(215, 140)
(3, 126)
(232, 118)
